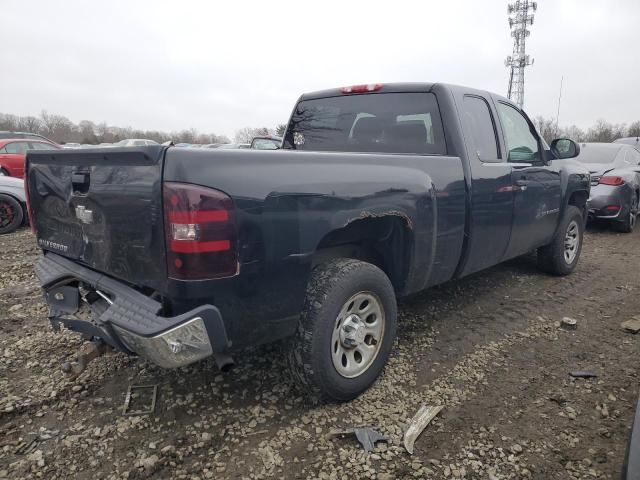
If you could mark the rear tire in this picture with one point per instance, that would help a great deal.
(629, 222)
(561, 256)
(335, 355)
(11, 214)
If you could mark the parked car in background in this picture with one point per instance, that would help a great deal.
(13, 153)
(615, 183)
(634, 141)
(266, 143)
(5, 134)
(379, 191)
(135, 142)
(13, 203)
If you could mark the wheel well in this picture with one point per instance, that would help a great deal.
(384, 241)
(579, 199)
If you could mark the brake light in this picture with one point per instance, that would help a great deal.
(612, 208)
(369, 87)
(200, 232)
(612, 180)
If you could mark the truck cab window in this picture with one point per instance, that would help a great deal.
(522, 144)
(480, 124)
(376, 123)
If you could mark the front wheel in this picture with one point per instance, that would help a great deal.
(346, 330)
(561, 256)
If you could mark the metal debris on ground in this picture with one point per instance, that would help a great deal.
(418, 423)
(368, 437)
(130, 394)
(87, 353)
(582, 374)
(631, 326)
(569, 323)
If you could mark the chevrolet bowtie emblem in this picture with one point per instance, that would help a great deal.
(84, 215)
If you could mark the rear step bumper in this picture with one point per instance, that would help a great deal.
(129, 320)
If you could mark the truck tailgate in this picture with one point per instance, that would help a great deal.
(102, 208)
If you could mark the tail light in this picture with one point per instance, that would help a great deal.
(612, 208)
(369, 87)
(200, 232)
(611, 180)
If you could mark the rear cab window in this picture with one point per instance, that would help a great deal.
(479, 124)
(404, 122)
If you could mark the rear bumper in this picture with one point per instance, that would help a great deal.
(596, 206)
(125, 318)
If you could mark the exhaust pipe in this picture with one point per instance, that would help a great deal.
(224, 361)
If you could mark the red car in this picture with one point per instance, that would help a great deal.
(13, 153)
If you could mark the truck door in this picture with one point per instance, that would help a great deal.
(491, 189)
(537, 191)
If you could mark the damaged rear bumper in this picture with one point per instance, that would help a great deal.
(125, 318)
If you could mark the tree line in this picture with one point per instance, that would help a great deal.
(602, 131)
(62, 130)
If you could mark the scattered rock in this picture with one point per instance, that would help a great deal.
(569, 323)
(631, 326)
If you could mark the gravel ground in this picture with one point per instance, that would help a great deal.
(489, 348)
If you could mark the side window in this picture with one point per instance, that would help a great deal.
(482, 129)
(18, 148)
(40, 146)
(3, 150)
(522, 144)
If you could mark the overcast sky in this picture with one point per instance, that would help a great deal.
(219, 66)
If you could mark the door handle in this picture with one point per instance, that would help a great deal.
(522, 184)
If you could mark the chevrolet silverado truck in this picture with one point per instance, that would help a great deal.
(378, 191)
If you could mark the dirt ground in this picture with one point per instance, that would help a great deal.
(489, 348)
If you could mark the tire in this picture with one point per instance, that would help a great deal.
(11, 214)
(331, 336)
(628, 224)
(553, 258)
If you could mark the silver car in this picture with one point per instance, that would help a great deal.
(13, 203)
(615, 183)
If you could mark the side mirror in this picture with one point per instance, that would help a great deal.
(564, 148)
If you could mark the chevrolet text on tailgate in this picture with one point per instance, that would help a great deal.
(378, 191)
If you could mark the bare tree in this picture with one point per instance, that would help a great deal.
(634, 129)
(547, 128)
(246, 134)
(281, 128)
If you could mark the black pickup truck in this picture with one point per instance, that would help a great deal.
(378, 191)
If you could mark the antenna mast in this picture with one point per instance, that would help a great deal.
(520, 17)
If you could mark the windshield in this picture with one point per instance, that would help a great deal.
(383, 123)
(590, 153)
(265, 144)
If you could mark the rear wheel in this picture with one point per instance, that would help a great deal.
(11, 214)
(346, 330)
(629, 222)
(561, 256)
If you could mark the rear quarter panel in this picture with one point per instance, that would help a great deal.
(288, 201)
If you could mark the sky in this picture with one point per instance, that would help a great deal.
(218, 66)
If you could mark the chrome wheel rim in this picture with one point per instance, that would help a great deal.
(357, 334)
(571, 242)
